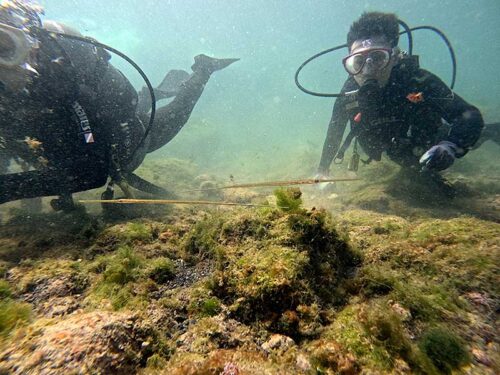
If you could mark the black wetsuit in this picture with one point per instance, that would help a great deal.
(413, 112)
(75, 117)
(65, 121)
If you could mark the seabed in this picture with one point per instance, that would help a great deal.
(362, 279)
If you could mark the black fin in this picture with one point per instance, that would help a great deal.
(210, 64)
(141, 184)
(172, 81)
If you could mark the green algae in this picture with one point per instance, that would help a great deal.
(295, 259)
(122, 267)
(202, 239)
(446, 350)
(31, 273)
(288, 199)
(272, 275)
(129, 233)
(335, 285)
(386, 330)
(118, 273)
(209, 307)
(373, 281)
(328, 356)
(199, 302)
(455, 257)
(427, 302)
(425, 267)
(156, 362)
(375, 336)
(161, 269)
(5, 291)
(349, 332)
(247, 225)
(13, 314)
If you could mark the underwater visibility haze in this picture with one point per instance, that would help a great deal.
(249, 265)
(253, 113)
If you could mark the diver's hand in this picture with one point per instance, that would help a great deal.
(440, 156)
(324, 185)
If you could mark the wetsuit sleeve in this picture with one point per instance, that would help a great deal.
(334, 135)
(465, 119)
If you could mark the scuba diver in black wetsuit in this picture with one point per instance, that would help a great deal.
(67, 112)
(396, 107)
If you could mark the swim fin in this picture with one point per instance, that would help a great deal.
(210, 64)
(168, 88)
(171, 83)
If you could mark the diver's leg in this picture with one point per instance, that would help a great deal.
(491, 132)
(4, 165)
(414, 182)
(32, 205)
(168, 88)
(403, 155)
(41, 183)
(170, 119)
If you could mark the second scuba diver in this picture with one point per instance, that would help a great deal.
(71, 115)
(397, 107)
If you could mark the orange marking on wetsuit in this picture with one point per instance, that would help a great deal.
(357, 118)
(415, 97)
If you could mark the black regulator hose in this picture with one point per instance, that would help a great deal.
(450, 49)
(131, 62)
(403, 24)
(407, 30)
(302, 88)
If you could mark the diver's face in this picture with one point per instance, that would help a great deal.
(371, 59)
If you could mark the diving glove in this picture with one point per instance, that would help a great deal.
(440, 156)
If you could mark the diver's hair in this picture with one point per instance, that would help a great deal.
(372, 24)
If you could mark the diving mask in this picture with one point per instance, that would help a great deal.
(14, 46)
(376, 58)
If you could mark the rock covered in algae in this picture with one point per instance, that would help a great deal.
(269, 263)
(261, 291)
(95, 342)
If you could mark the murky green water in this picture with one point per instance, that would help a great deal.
(252, 119)
(378, 275)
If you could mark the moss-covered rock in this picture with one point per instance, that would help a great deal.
(120, 280)
(446, 350)
(127, 233)
(92, 342)
(12, 313)
(268, 263)
(161, 269)
(271, 277)
(260, 291)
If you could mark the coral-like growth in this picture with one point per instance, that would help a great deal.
(288, 199)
